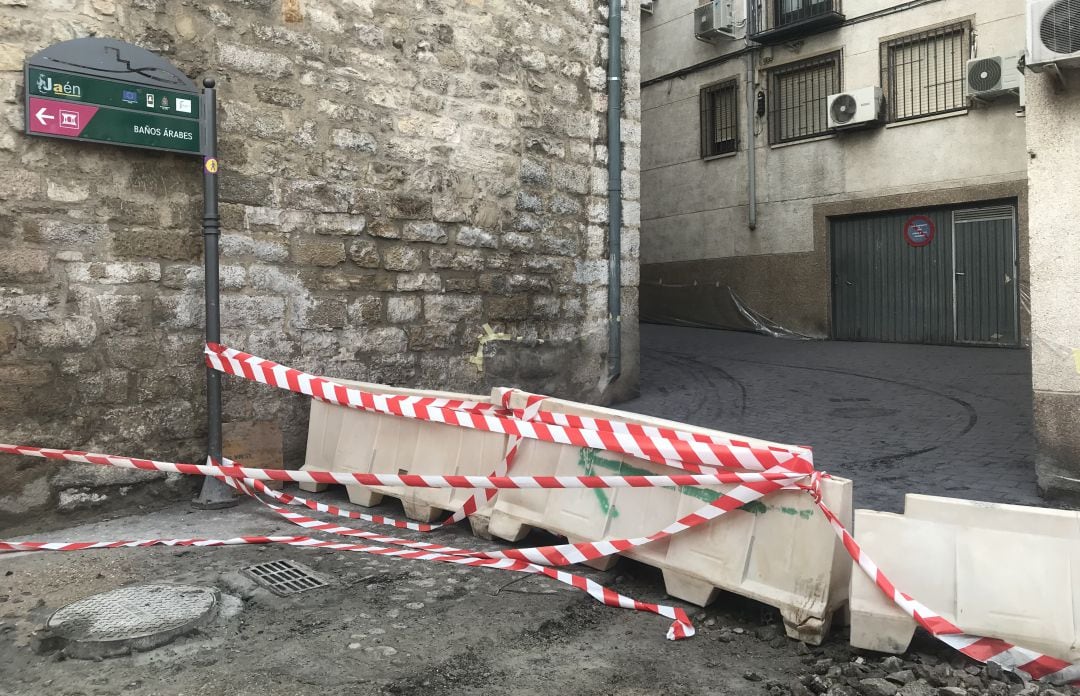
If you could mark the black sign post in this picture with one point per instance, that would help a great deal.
(108, 91)
(214, 494)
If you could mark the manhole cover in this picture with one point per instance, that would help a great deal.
(285, 577)
(132, 618)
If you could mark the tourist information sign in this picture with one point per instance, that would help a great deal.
(105, 91)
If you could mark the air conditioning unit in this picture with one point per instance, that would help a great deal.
(858, 108)
(991, 77)
(715, 20)
(1053, 33)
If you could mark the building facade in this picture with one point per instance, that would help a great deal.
(394, 176)
(755, 209)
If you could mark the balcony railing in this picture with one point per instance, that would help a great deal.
(775, 21)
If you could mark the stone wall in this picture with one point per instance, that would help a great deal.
(394, 175)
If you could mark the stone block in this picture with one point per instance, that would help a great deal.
(399, 310)
(9, 337)
(70, 332)
(320, 196)
(246, 311)
(476, 237)
(412, 282)
(511, 307)
(366, 310)
(431, 337)
(372, 340)
(120, 312)
(353, 140)
(234, 187)
(175, 245)
(317, 252)
(365, 254)
(318, 313)
(114, 272)
(235, 246)
(251, 61)
(402, 258)
(451, 308)
(409, 206)
(535, 173)
(24, 265)
(340, 223)
(431, 232)
(279, 96)
(66, 233)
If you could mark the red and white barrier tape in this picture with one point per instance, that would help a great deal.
(759, 468)
(651, 444)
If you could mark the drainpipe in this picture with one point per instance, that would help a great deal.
(614, 137)
(751, 110)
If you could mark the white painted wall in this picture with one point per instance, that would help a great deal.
(696, 209)
(1053, 131)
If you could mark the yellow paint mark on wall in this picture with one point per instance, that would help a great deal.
(1076, 357)
(291, 11)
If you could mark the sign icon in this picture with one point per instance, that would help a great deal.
(69, 119)
(164, 102)
(211, 165)
(150, 100)
(183, 105)
(44, 117)
(130, 96)
(919, 231)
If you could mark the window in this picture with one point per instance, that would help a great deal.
(798, 94)
(719, 119)
(922, 74)
(790, 11)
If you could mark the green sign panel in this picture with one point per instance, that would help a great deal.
(79, 107)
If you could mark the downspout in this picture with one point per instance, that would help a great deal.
(751, 110)
(614, 140)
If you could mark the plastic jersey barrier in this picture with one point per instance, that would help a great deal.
(679, 449)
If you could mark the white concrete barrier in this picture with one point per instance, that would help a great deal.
(348, 440)
(779, 550)
(1004, 571)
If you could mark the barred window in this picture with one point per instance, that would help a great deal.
(798, 95)
(719, 119)
(791, 11)
(922, 74)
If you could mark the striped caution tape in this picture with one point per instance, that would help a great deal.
(651, 444)
(757, 467)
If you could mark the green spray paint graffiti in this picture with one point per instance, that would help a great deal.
(590, 461)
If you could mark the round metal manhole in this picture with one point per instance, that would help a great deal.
(132, 618)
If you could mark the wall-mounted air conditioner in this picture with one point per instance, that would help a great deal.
(857, 108)
(1053, 30)
(715, 20)
(994, 76)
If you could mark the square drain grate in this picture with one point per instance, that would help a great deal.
(285, 577)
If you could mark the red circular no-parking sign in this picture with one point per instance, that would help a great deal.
(919, 231)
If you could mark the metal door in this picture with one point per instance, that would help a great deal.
(886, 289)
(984, 280)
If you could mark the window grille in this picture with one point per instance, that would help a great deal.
(798, 94)
(922, 74)
(719, 119)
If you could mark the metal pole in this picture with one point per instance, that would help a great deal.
(214, 494)
(751, 110)
(614, 137)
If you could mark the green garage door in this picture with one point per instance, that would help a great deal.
(944, 276)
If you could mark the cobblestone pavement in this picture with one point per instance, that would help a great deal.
(894, 418)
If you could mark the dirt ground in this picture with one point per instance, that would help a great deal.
(389, 626)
